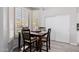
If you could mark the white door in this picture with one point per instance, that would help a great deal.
(60, 27)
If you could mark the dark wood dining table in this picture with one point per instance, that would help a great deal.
(35, 34)
(40, 36)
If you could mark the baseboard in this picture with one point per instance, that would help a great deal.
(13, 48)
(74, 44)
(4, 50)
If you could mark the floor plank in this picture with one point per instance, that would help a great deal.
(61, 47)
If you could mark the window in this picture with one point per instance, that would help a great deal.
(21, 19)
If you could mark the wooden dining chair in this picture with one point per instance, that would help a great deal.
(27, 39)
(46, 40)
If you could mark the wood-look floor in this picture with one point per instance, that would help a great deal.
(61, 47)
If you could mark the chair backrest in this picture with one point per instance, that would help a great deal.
(25, 28)
(26, 34)
(42, 28)
(49, 31)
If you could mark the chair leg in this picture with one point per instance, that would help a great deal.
(30, 47)
(47, 46)
(24, 47)
(36, 46)
(49, 43)
(33, 44)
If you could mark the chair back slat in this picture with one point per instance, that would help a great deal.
(42, 28)
(49, 30)
(26, 34)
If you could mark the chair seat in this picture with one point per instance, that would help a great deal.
(33, 39)
(44, 40)
(45, 37)
(25, 48)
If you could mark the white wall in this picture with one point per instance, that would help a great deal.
(78, 31)
(65, 11)
(5, 29)
(77, 21)
(59, 27)
(1, 28)
(4, 33)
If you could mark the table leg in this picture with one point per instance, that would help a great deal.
(19, 39)
(40, 43)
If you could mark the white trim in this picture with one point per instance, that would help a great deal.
(74, 44)
(11, 50)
